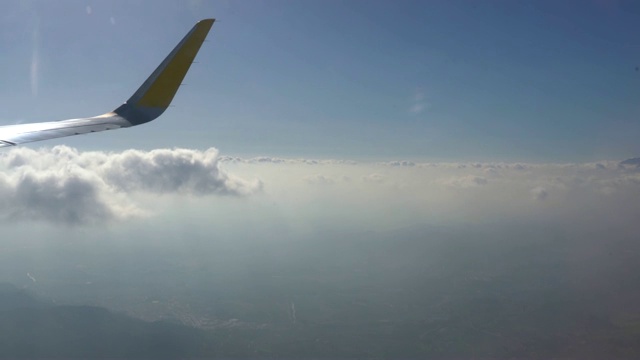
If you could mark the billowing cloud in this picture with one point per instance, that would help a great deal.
(319, 179)
(406, 163)
(172, 171)
(374, 178)
(69, 196)
(539, 193)
(466, 181)
(63, 185)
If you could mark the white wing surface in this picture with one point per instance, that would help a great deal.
(146, 104)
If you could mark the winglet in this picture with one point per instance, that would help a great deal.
(156, 93)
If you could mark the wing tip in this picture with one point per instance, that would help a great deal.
(157, 92)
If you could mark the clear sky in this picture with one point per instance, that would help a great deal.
(377, 80)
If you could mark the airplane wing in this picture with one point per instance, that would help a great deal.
(146, 104)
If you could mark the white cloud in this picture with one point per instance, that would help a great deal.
(539, 193)
(68, 195)
(172, 171)
(374, 178)
(62, 185)
(490, 171)
(466, 181)
(319, 180)
(406, 163)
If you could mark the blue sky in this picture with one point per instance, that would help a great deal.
(377, 80)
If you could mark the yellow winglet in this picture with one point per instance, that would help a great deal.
(156, 93)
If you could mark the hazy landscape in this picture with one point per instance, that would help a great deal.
(523, 290)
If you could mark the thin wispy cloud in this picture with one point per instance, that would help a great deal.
(35, 59)
(419, 103)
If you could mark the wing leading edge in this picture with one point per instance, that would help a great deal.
(146, 104)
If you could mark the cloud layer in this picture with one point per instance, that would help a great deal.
(397, 193)
(62, 185)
